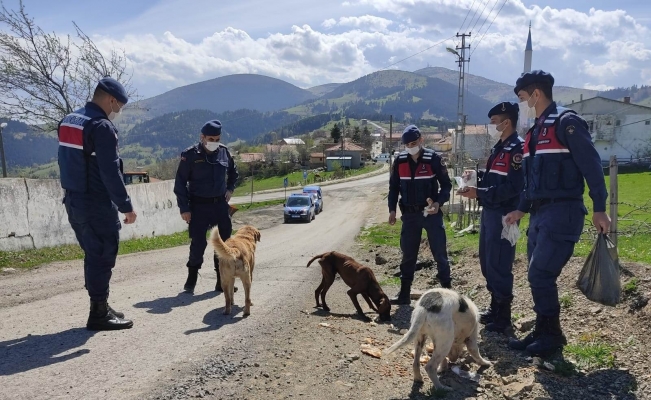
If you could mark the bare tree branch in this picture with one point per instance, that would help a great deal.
(44, 76)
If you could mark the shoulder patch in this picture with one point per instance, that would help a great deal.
(183, 158)
(432, 302)
(517, 158)
(570, 129)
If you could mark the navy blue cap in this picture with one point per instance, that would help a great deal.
(529, 78)
(508, 108)
(114, 88)
(212, 128)
(410, 134)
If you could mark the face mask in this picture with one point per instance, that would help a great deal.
(212, 146)
(114, 114)
(494, 130)
(413, 150)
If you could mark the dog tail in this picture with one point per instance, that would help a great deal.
(221, 249)
(410, 336)
(316, 257)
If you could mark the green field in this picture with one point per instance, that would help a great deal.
(295, 179)
(634, 190)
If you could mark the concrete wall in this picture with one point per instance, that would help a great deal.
(32, 215)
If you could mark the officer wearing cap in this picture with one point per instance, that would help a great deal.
(558, 157)
(205, 181)
(415, 179)
(91, 176)
(498, 191)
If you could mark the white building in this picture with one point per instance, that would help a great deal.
(618, 128)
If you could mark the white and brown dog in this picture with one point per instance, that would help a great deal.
(451, 321)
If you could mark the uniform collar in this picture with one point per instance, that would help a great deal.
(92, 106)
(551, 109)
(503, 143)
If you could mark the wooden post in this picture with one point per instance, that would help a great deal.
(251, 184)
(614, 199)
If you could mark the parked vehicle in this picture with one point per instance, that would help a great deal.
(384, 157)
(299, 207)
(135, 177)
(319, 193)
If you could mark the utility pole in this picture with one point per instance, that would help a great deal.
(460, 143)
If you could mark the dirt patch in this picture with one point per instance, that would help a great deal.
(312, 354)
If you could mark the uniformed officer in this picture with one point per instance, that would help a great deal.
(498, 191)
(416, 176)
(558, 156)
(205, 181)
(91, 176)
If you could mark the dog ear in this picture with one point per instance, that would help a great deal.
(257, 235)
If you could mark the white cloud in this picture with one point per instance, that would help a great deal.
(600, 88)
(595, 48)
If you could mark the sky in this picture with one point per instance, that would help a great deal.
(597, 44)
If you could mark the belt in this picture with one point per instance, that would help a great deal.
(411, 209)
(207, 200)
(536, 204)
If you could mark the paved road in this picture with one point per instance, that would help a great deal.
(46, 353)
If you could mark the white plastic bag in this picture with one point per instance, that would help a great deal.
(510, 232)
(469, 180)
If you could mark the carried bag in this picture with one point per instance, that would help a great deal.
(599, 278)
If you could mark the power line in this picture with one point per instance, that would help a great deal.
(489, 27)
(486, 19)
(473, 16)
(468, 13)
(414, 55)
(480, 15)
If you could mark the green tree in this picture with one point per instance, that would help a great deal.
(357, 138)
(335, 133)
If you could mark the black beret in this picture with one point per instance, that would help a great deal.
(114, 88)
(212, 128)
(529, 78)
(410, 134)
(511, 109)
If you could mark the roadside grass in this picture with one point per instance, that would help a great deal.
(26, 259)
(590, 352)
(566, 301)
(295, 179)
(392, 281)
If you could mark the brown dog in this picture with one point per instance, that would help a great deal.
(359, 278)
(236, 259)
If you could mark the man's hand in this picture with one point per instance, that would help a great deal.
(433, 207)
(469, 192)
(130, 217)
(392, 218)
(467, 174)
(186, 216)
(601, 221)
(228, 195)
(513, 217)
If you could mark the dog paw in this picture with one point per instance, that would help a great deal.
(486, 363)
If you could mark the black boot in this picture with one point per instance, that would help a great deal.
(446, 285)
(522, 344)
(116, 313)
(100, 319)
(501, 319)
(550, 341)
(487, 315)
(404, 295)
(191, 282)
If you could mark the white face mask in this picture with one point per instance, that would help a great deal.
(114, 114)
(494, 130)
(211, 146)
(413, 150)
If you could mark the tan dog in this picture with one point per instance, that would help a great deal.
(236, 259)
(451, 321)
(359, 278)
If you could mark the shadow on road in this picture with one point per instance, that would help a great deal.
(165, 305)
(215, 319)
(36, 351)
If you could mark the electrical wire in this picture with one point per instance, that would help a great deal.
(415, 54)
(486, 19)
(473, 16)
(489, 27)
(480, 15)
(468, 13)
